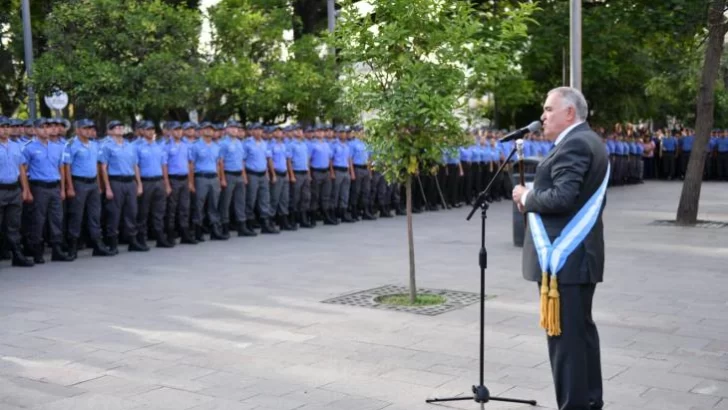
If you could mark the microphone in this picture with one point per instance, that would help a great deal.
(532, 127)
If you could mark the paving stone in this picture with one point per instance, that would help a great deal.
(89, 401)
(418, 377)
(116, 386)
(712, 388)
(657, 378)
(168, 398)
(673, 400)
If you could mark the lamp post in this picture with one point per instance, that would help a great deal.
(28, 46)
(575, 37)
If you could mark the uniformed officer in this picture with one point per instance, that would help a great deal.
(14, 190)
(83, 189)
(236, 179)
(257, 164)
(686, 148)
(282, 174)
(361, 185)
(206, 172)
(152, 160)
(343, 175)
(44, 168)
(301, 180)
(178, 201)
(465, 191)
(322, 174)
(122, 181)
(722, 148)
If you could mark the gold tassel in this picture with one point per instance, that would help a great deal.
(544, 299)
(554, 309)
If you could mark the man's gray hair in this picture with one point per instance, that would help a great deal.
(574, 97)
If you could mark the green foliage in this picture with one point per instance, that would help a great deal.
(121, 58)
(411, 66)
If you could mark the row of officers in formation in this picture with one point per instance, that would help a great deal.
(194, 180)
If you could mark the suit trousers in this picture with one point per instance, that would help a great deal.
(575, 357)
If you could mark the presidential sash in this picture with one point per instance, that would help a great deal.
(551, 257)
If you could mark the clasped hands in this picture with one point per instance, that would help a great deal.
(519, 192)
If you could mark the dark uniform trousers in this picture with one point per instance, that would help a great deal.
(11, 206)
(394, 199)
(46, 207)
(668, 164)
(207, 189)
(87, 199)
(684, 159)
(279, 194)
(466, 182)
(233, 195)
(575, 359)
(152, 204)
(258, 195)
(320, 190)
(342, 184)
(723, 166)
(300, 192)
(379, 190)
(178, 203)
(123, 204)
(360, 189)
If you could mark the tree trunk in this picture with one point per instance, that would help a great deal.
(410, 241)
(687, 211)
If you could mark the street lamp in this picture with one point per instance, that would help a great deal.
(28, 46)
(575, 37)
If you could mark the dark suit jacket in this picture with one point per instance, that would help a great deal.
(564, 181)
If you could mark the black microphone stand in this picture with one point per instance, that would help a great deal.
(481, 394)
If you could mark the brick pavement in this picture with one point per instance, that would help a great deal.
(239, 324)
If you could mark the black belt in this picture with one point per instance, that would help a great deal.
(178, 177)
(256, 173)
(208, 175)
(360, 166)
(234, 173)
(320, 169)
(44, 184)
(121, 178)
(9, 187)
(151, 179)
(341, 168)
(300, 172)
(281, 173)
(91, 180)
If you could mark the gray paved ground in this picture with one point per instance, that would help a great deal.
(239, 324)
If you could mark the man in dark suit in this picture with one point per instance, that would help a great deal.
(565, 180)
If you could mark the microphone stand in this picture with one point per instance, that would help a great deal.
(481, 394)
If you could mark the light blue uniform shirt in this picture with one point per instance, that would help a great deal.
(204, 156)
(256, 155)
(686, 143)
(722, 144)
(178, 156)
(342, 154)
(119, 158)
(279, 154)
(82, 158)
(359, 152)
(150, 156)
(466, 155)
(11, 157)
(299, 155)
(321, 154)
(43, 161)
(233, 154)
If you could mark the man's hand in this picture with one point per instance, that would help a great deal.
(518, 192)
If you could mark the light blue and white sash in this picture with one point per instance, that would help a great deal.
(552, 257)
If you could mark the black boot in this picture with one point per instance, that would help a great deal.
(187, 238)
(303, 221)
(18, 258)
(254, 224)
(311, 219)
(401, 211)
(38, 253)
(384, 212)
(73, 248)
(199, 236)
(226, 230)
(216, 233)
(329, 219)
(113, 245)
(100, 249)
(243, 230)
(345, 217)
(136, 246)
(163, 241)
(141, 239)
(283, 223)
(368, 215)
(58, 255)
(292, 222)
(267, 227)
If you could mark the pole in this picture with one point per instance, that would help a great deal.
(28, 45)
(331, 14)
(575, 25)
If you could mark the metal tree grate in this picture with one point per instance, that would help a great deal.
(367, 298)
(699, 224)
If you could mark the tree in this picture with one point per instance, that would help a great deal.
(410, 64)
(122, 58)
(687, 211)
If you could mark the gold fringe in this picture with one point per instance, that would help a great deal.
(553, 310)
(544, 299)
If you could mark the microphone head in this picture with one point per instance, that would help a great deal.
(534, 126)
